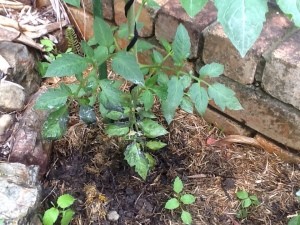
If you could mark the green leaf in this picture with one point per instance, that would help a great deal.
(67, 217)
(174, 98)
(87, 50)
(143, 45)
(67, 65)
(172, 203)
(181, 44)
(151, 160)
(47, 44)
(65, 201)
(167, 46)
(185, 81)
(242, 213)
(75, 3)
(157, 57)
(224, 97)
(199, 97)
(101, 54)
(295, 220)
(110, 96)
(87, 114)
(125, 64)
(242, 194)
(186, 217)
(136, 158)
(50, 216)
(187, 105)
(42, 68)
(148, 99)
(114, 115)
(151, 81)
(242, 21)
(253, 197)
(211, 70)
(162, 79)
(53, 98)
(291, 8)
(193, 7)
(152, 129)
(116, 130)
(177, 185)
(153, 4)
(155, 145)
(56, 124)
(246, 202)
(187, 199)
(103, 33)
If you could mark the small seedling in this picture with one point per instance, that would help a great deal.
(295, 220)
(246, 202)
(179, 200)
(62, 208)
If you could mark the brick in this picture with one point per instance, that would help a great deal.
(171, 14)
(107, 6)
(265, 114)
(146, 17)
(225, 124)
(281, 75)
(218, 48)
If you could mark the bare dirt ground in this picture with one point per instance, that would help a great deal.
(90, 166)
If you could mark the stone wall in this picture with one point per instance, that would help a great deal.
(266, 80)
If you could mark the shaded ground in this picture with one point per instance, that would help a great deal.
(90, 166)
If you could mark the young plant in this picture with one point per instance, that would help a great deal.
(62, 209)
(180, 200)
(246, 202)
(128, 114)
(295, 220)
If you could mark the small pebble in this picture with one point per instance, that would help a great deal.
(113, 215)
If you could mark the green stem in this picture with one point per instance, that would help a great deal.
(200, 80)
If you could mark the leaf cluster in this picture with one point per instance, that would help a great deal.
(179, 200)
(62, 209)
(246, 202)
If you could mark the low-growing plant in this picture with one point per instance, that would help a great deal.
(295, 220)
(61, 210)
(179, 200)
(128, 114)
(246, 201)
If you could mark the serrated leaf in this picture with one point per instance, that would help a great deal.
(157, 57)
(152, 129)
(162, 79)
(186, 217)
(155, 145)
(87, 114)
(246, 202)
(103, 33)
(75, 3)
(291, 7)
(187, 199)
(116, 130)
(242, 194)
(295, 220)
(174, 98)
(143, 45)
(181, 44)
(136, 158)
(66, 65)
(187, 105)
(211, 70)
(114, 115)
(177, 185)
(199, 97)
(101, 54)
(242, 21)
(53, 98)
(56, 124)
(172, 203)
(148, 99)
(193, 7)
(151, 81)
(67, 217)
(50, 216)
(125, 64)
(65, 201)
(224, 97)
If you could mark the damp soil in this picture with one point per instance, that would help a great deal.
(91, 167)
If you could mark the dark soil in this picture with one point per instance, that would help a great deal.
(91, 167)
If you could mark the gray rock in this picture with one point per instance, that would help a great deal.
(22, 63)
(19, 193)
(6, 121)
(12, 96)
(113, 215)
